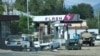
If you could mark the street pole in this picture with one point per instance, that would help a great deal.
(98, 22)
(27, 17)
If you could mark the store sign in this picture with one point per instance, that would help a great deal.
(53, 18)
(68, 17)
(59, 18)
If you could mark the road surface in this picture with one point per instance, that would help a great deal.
(86, 51)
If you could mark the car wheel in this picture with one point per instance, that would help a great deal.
(69, 48)
(12, 49)
(59, 46)
(21, 49)
(79, 48)
(92, 44)
(25, 47)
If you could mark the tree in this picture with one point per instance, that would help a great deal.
(14, 27)
(41, 7)
(1, 8)
(60, 8)
(35, 6)
(21, 5)
(85, 10)
(47, 7)
(92, 23)
(23, 24)
(20, 26)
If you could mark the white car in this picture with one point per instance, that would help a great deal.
(98, 37)
(16, 42)
(54, 44)
(36, 44)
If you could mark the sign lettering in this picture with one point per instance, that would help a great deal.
(53, 18)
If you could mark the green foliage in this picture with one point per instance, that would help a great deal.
(35, 6)
(1, 8)
(42, 7)
(52, 7)
(21, 5)
(85, 10)
(23, 24)
(14, 27)
(92, 23)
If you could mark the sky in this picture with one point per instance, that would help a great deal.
(75, 2)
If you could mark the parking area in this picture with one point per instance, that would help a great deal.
(86, 51)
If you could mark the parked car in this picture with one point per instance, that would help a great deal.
(17, 42)
(37, 45)
(98, 37)
(87, 38)
(73, 44)
(94, 34)
(54, 44)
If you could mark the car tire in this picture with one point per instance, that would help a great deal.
(79, 48)
(25, 47)
(93, 44)
(59, 46)
(21, 49)
(69, 48)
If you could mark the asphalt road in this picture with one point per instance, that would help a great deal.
(86, 51)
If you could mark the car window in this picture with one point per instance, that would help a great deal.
(14, 38)
(27, 39)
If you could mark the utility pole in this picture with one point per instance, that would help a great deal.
(27, 17)
(98, 22)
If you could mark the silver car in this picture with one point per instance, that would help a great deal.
(54, 44)
(16, 42)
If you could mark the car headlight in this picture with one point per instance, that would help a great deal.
(6, 42)
(75, 44)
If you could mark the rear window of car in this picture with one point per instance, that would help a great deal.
(14, 37)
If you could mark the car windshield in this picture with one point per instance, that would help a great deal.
(14, 37)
